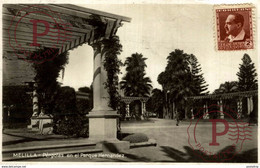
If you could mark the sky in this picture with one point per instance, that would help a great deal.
(156, 30)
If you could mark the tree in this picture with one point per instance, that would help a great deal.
(177, 79)
(247, 75)
(135, 83)
(46, 79)
(182, 78)
(67, 119)
(227, 87)
(157, 102)
(85, 105)
(18, 103)
(199, 82)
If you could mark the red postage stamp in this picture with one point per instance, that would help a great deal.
(234, 27)
(37, 33)
(219, 139)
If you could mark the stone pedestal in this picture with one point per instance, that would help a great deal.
(103, 125)
(34, 123)
(45, 124)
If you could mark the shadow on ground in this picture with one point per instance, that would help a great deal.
(113, 149)
(28, 139)
(225, 155)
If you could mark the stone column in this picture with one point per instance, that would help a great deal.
(239, 108)
(173, 110)
(142, 110)
(186, 112)
(221, 109)
(207, 110)
(192, 115)
(127, 111)
(35, 101)
(249, 105)
(102, 118)
(204, 111)
(35, 107)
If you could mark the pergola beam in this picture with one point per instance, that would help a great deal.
(61, 15)
(25, 27)
(7, 41)
(42, 40)
(26, 21)
(92, 11)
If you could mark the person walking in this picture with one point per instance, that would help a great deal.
(177, 115)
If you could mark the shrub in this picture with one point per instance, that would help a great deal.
(136, 138)
(74, 125)
(67, 120)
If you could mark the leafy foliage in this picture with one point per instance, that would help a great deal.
(67, 119)
(157, 101)
(65, 102)
(135, 83)
(72, 125)
(18, 103)
(112, 48)
(16, 95)
(227, 87)
(177, 79)
(182, 78)
(247, 75)
(46, 79)
(200, 86)
(56, 100)
(85, 105)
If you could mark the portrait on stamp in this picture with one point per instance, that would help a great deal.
(234, 29)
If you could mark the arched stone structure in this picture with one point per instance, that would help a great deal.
(128, 100)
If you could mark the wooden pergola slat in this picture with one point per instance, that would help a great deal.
(93, 11)
(61, 16)
(226, 95)
(27, 22)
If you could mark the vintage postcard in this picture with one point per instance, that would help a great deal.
(151, 82)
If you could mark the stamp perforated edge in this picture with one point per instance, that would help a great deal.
(227, 6)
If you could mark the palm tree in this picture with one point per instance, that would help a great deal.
(134, 83)
(135, 63)
(227, 87)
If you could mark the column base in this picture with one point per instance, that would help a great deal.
(103, 125)
(34, 123)
(222, 116)
(45, 124)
